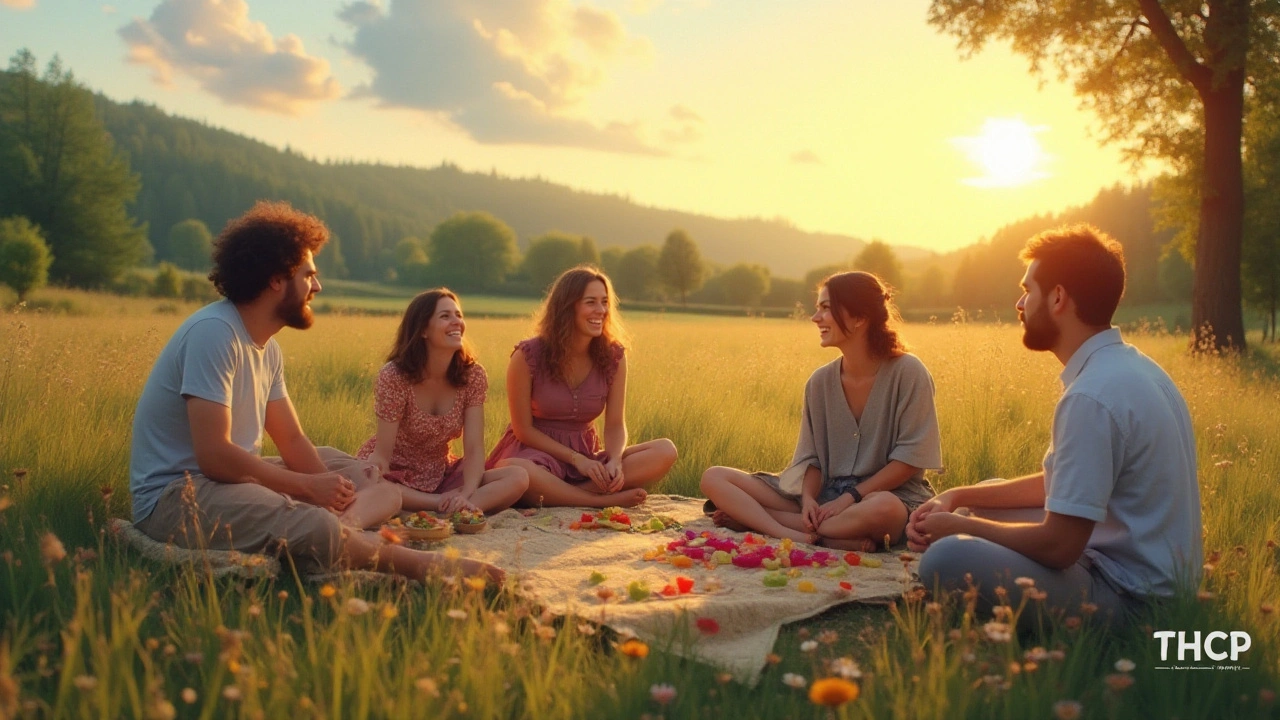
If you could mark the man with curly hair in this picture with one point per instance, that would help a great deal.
(197, 477)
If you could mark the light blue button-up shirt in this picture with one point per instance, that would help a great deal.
(1123, 455)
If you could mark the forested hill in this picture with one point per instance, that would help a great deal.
(192, 170)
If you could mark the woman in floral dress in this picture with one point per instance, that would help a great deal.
(430, 392)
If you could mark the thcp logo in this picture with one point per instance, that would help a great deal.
(1236, 641)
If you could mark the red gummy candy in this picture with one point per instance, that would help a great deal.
(708, 626)
(587, 518)
(853, 558)
(684, 584)
(748, 560)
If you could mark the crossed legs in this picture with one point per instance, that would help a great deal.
(642, 465)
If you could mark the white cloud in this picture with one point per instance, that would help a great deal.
(805, 157)
(108, 9)
(503, 72)
(687, 125)
(234, 58)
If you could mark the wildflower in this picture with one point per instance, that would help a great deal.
(356, 606)
(1125, 665)
(1204, 596)
(808, 646)
(282, 595)
(327, 591)
(662, 694)
(161, 709)
(1088, 608)
(545, 632)
(1025, 582)
(188, 696)
(1267, 608)
(708, 626)
(634, 648)
(1119, 681)
(51, 549)
(1001, 612)
(1057, 655)
(427, 686)
(968, 658)
(832, 692)
(231, 692)
(1072, 622)
(457, 614)
(5, 503)
(1035, 594)
(998, 631)
(605, 593)
(993, 681)
(1001, 592)
(255, 610)
(510, 648)
(794, 680)
(19, 473)
(724, 678)
(85, 683)
(586, 628)
(389, 611)
(1067, 710)
(773, 658)
(933, 608)
(501, 628)
(828, 637)
(474, 583)
(906, 558)
(1036, 654)
(1223, 464)
(1030, 666)
(846, 668)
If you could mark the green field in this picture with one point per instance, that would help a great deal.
(102, 633)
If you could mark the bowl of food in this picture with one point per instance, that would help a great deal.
(422, 525)
(469, 522)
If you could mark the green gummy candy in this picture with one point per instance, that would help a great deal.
(596, 578)
(638, 591)
(772, 564)
(775, 579)
(720, 557)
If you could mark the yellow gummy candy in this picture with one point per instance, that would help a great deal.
(806, 586)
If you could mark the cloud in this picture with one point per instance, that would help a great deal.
(19, 4)
(108, 9)
(509, 72)
(687, 127)
(806, 157)
(229, 55)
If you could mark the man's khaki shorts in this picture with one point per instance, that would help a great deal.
(203, 513)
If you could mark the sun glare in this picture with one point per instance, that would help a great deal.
(1006, 151)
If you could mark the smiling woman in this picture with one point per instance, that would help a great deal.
(1006, 151)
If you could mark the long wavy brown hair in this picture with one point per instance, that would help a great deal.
(410, 350)
(558, 317)
(863, 295)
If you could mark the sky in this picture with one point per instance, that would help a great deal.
(846, 116)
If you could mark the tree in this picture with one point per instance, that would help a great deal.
(190, 245)
(62, 172)
(611, 259)
(473, 251)
(879, 259)
(551, 254)
(680, 264)
(929, 290)
(637, 275)
(24, 256)
(745, 284)
(588, 254)
(168, 282)
(1260, 266)
(815, 276)
(1166, 79)
(409, 252)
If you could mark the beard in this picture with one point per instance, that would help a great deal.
(293, 310)
(1039, 331)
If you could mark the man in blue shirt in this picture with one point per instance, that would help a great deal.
(1114, 518)
(197, 477)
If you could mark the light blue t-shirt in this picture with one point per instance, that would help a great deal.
(1124, 456)
(212, 357)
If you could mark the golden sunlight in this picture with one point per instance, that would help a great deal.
(1006, 151)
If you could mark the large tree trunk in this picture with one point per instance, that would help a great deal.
(1216, 313)
(1217, 317)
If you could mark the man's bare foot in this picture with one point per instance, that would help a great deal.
(627, 498)
(723, 519)
(798, 536)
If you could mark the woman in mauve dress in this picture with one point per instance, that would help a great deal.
(430, 392)
(868, 431)
(558, 383)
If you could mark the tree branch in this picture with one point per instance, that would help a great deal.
(1191, 69)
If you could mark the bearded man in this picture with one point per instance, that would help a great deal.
(196, 475)
(1113, 521)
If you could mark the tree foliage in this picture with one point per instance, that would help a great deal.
(745, 284)
(879, 259)
(62, 171)
(551, 254)
(472, 251)
(1167, 80)
(680, 264)
(637, 275)
(190, 246)
(24, 256)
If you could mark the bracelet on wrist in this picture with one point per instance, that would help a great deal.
(853, 493)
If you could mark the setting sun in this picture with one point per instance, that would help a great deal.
(1006, 151)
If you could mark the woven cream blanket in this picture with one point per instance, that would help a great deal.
(553, 564)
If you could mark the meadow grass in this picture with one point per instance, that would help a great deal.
(103, 633)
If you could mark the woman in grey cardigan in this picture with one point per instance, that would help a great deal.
(867, 433)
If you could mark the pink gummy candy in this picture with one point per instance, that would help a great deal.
(748, 560)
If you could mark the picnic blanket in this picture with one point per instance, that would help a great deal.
(553, 564)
